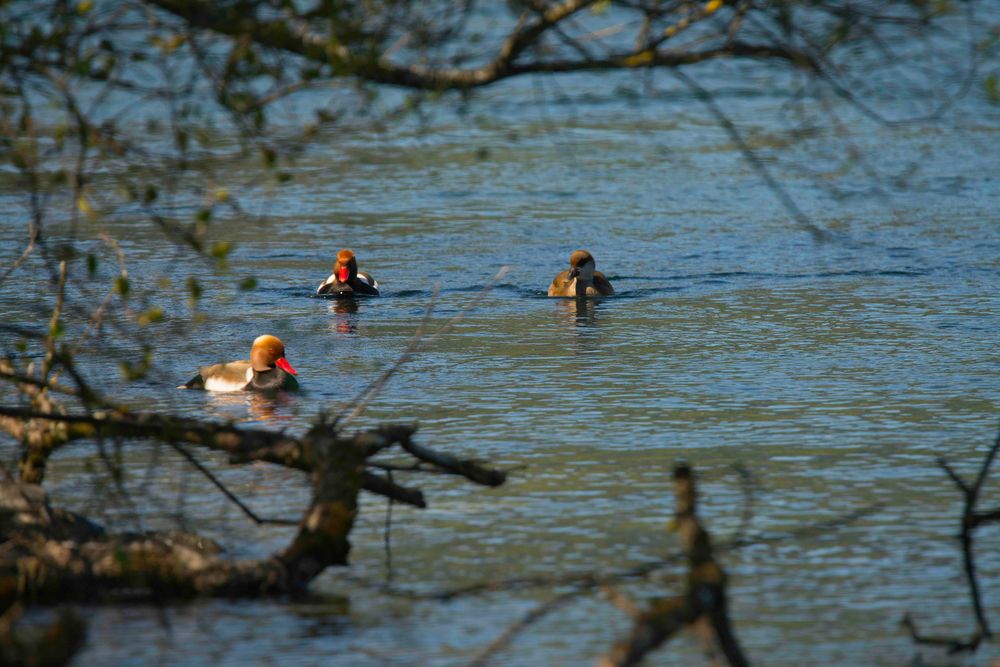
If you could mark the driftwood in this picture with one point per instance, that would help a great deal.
(702, 606)
(52, 555)
(242, 444)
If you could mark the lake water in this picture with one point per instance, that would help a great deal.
(834, 372)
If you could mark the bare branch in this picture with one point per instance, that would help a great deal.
(32, 237)
(225, 491)
(737, 138)
(362, 400)
(508, 635)
(467, 468)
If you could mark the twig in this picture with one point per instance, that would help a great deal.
(620, 600)
(508, 635)
(590, 579)
(468, 468)
(387, 532)
(225, 491)
(750, 156)
(54, 325)
(362, 400)
(970, 520)
(50, 385)
(952, 644)
(747, 486)
(32, 236)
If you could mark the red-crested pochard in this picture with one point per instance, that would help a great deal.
(581, 279)
(267, 370)
(346, 280)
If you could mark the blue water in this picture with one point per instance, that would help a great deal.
(835, 372)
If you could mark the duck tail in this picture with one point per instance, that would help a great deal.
(197, 382)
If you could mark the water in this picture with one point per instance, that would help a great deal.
(834, 372)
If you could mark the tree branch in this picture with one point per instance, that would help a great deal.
(295, 37)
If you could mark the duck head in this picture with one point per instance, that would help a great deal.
(267, 353)
(346, 266)
(581, 265)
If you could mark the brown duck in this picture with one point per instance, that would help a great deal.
(346, 280)
(267, 370)
(581, 279)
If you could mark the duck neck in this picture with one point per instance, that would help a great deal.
(584, 279)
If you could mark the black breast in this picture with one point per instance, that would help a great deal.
(274, 379)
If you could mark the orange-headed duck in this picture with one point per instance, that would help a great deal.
(346, 280)
(581, 279)
(267, 370)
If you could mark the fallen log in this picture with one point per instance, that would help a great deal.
(51, 555)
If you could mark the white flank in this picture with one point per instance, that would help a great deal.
(326, 282)
(220, 384)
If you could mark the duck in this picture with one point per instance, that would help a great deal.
(346, 280)
(581, 279)
(267, 370)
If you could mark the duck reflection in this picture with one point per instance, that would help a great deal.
(258, 406)
(579, 312)
(579, 317)
(343, 311)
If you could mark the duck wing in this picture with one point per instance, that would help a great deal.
(231, 376)
(562, 285)
(602, 284)
(366, 284)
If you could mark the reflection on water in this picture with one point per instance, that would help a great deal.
(580, 312)
(250, 406)
(324, 615)
(344, 311)
(578, 317)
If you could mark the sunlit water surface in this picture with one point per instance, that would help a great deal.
(833, 372)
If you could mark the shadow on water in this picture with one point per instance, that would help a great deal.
(323, 615)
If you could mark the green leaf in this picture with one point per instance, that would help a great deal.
(91, 264)
(248, 284)
(194, 288)
(122, 286)
(221, 249)
(270, 157)
(151, 316)
(600, 7)
(992, 85)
